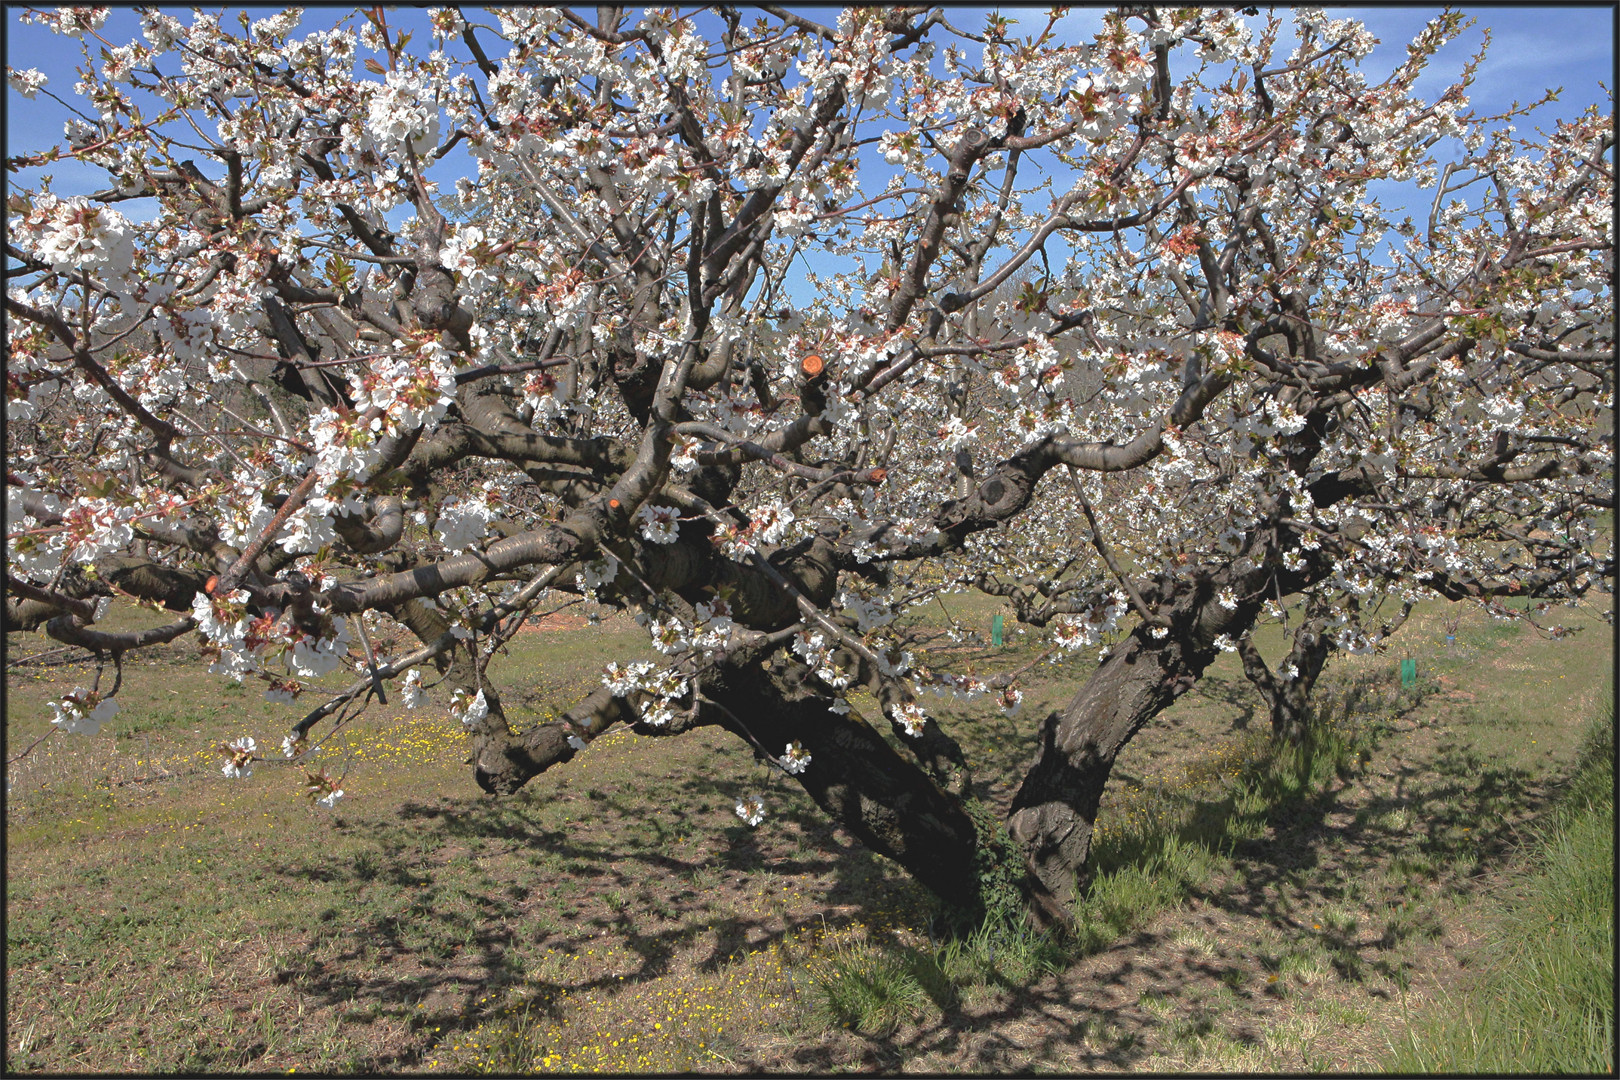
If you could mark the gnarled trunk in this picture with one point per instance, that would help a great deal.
(1055, 810)
(1056, 806)
(886, 800)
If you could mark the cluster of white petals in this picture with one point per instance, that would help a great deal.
(82, 712)
(411, 693)
(795, 759)
(401, 112)
(239, 758)
(468, 709)
(76, 234)
(656, 691)
(910, 716)
(1072, 632)
(659, 524)
(751, 808)
(771, 337)
(464, 522)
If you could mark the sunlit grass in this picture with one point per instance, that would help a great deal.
(613, 917)
(665, 1024)
(1545, 1003)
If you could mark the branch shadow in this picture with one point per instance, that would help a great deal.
(459, 902)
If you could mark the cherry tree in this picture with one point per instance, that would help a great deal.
(765, 329)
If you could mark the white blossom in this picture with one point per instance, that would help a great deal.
(660, 524)
(27, 82)
(400, 111)
(464, 522)
(239, 758)
(312, 657)
(623, 680)
(910, 716)
(469, 709)
(771, 521)
(795, 759)
(76, 234)
(751, 808)
(411, 693)
(82, 712)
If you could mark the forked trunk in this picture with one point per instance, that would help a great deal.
(1287, 691)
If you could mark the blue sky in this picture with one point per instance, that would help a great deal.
(1534, 48)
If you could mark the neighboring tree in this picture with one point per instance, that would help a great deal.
(1287, 690)
(681, 343)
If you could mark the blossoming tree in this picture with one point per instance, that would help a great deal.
(763, 328)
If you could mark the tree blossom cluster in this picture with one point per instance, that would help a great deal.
(769, 330)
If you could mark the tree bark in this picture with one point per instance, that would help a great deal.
(1287, 698)
(1055, 810)
(889, 802)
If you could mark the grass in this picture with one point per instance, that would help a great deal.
(615, 916)
(1174, 842)
(1546, 1002)
(871, 991)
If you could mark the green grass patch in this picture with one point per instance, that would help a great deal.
(1164, 843)
(1545, 1004)
(1000, 953)
(870, 991)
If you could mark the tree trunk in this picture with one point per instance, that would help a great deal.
(1056, 806)
(1287, 696)
(1290, 708)
(1055, 809)
(888, 801)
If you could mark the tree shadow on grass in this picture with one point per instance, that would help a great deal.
(1422, 818)
(1445, 823)
(456, 904)
(1073, 1020)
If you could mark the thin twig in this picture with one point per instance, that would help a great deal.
(52, 731)
(40, 657)
(1108, 557)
